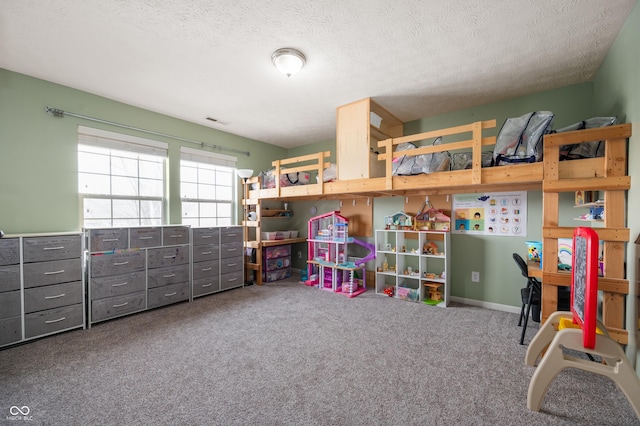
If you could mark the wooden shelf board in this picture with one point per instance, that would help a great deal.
(269, 243)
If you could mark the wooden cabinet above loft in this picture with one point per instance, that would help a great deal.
(359, 127)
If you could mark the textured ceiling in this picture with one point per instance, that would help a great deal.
(196, 58)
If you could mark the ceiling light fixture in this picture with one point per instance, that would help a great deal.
(288, 61)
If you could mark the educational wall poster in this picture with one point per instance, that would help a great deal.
(493, 213)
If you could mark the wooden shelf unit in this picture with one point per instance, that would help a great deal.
(608, 174)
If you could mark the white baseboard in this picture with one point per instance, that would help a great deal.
(487, 305)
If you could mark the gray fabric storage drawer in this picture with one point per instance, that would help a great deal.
(108, 239)
(206, 252)
(205, 269)
(166, 295)
(10, 330)
(206, 285)
(205, 236)
(10, 304)
(231, 280)
(38, 249)
(170, 275)
(172, 235)
(116, 285)
(231, 234)
(117, 263)
(145, 237)
(57, 271)
(231, 265)
(231, 250)
(168, 256)
(116, 306)
(52, 296)
(52, 320)
(9, 251)
(9, 277)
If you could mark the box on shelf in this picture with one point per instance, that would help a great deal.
(274, 252)
(585, 197)
(534, 252)
(406, 293)
(271, 236)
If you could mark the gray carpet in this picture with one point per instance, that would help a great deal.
(287, 354)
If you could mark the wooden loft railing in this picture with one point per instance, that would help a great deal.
(476, 179)
(608, 174)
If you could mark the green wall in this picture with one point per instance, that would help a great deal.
(38, 152)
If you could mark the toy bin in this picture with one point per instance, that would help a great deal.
(534, 252)
(277, 251)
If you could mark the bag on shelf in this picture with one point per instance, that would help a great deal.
(520, 138)
(587, 149)
(464, 160)
(422, 163)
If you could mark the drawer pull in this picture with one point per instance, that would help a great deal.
(231, 264)
(231, 235)
(120, 284)
(177, 236)
(146, 237)
(206, 252)
(171, 294)
(170, 257)
(207, 285)
(169, 276)
(206, 269)
(110, 240)
(53, 248)
(55, 297)
(232, 249)
(121, 263)
(121, 305)
(56, 320)
(206, 236)
(232, 279)
(55, 272)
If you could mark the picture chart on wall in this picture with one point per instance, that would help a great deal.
(492, 213)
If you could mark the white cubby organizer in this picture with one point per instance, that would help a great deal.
(415, 264)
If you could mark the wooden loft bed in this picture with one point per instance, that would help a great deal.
(476, 179)
(551, 176)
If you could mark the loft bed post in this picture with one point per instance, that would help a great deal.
(476, 156)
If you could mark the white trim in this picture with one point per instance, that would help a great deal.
(107, 139)
(202, 156)
(487, 305)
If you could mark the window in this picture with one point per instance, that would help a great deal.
(207, 188)
(121, 179)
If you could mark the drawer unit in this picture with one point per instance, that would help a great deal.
(170, 275)
(231, 250)
(231, 280)
(112, 307)
(274, 252)
(10, 330)
(166, 295)
(116, 285)
(174, 235)
(52, 296)
(10, 304)
(206, 252)
(140, 275)
(121, 262)
(9, 251)
(231, 264)
(38, 249)
(206, 285)
(53, 320)
(231, 234)
(203, 236)
(280, 263)
(278, 274)
(41, 286)
(108, 239)
(53, 272)
(168, 256)
(206, 269)
(145, 237)
(9, 278)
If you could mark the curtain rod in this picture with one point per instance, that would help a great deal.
(56, 112)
